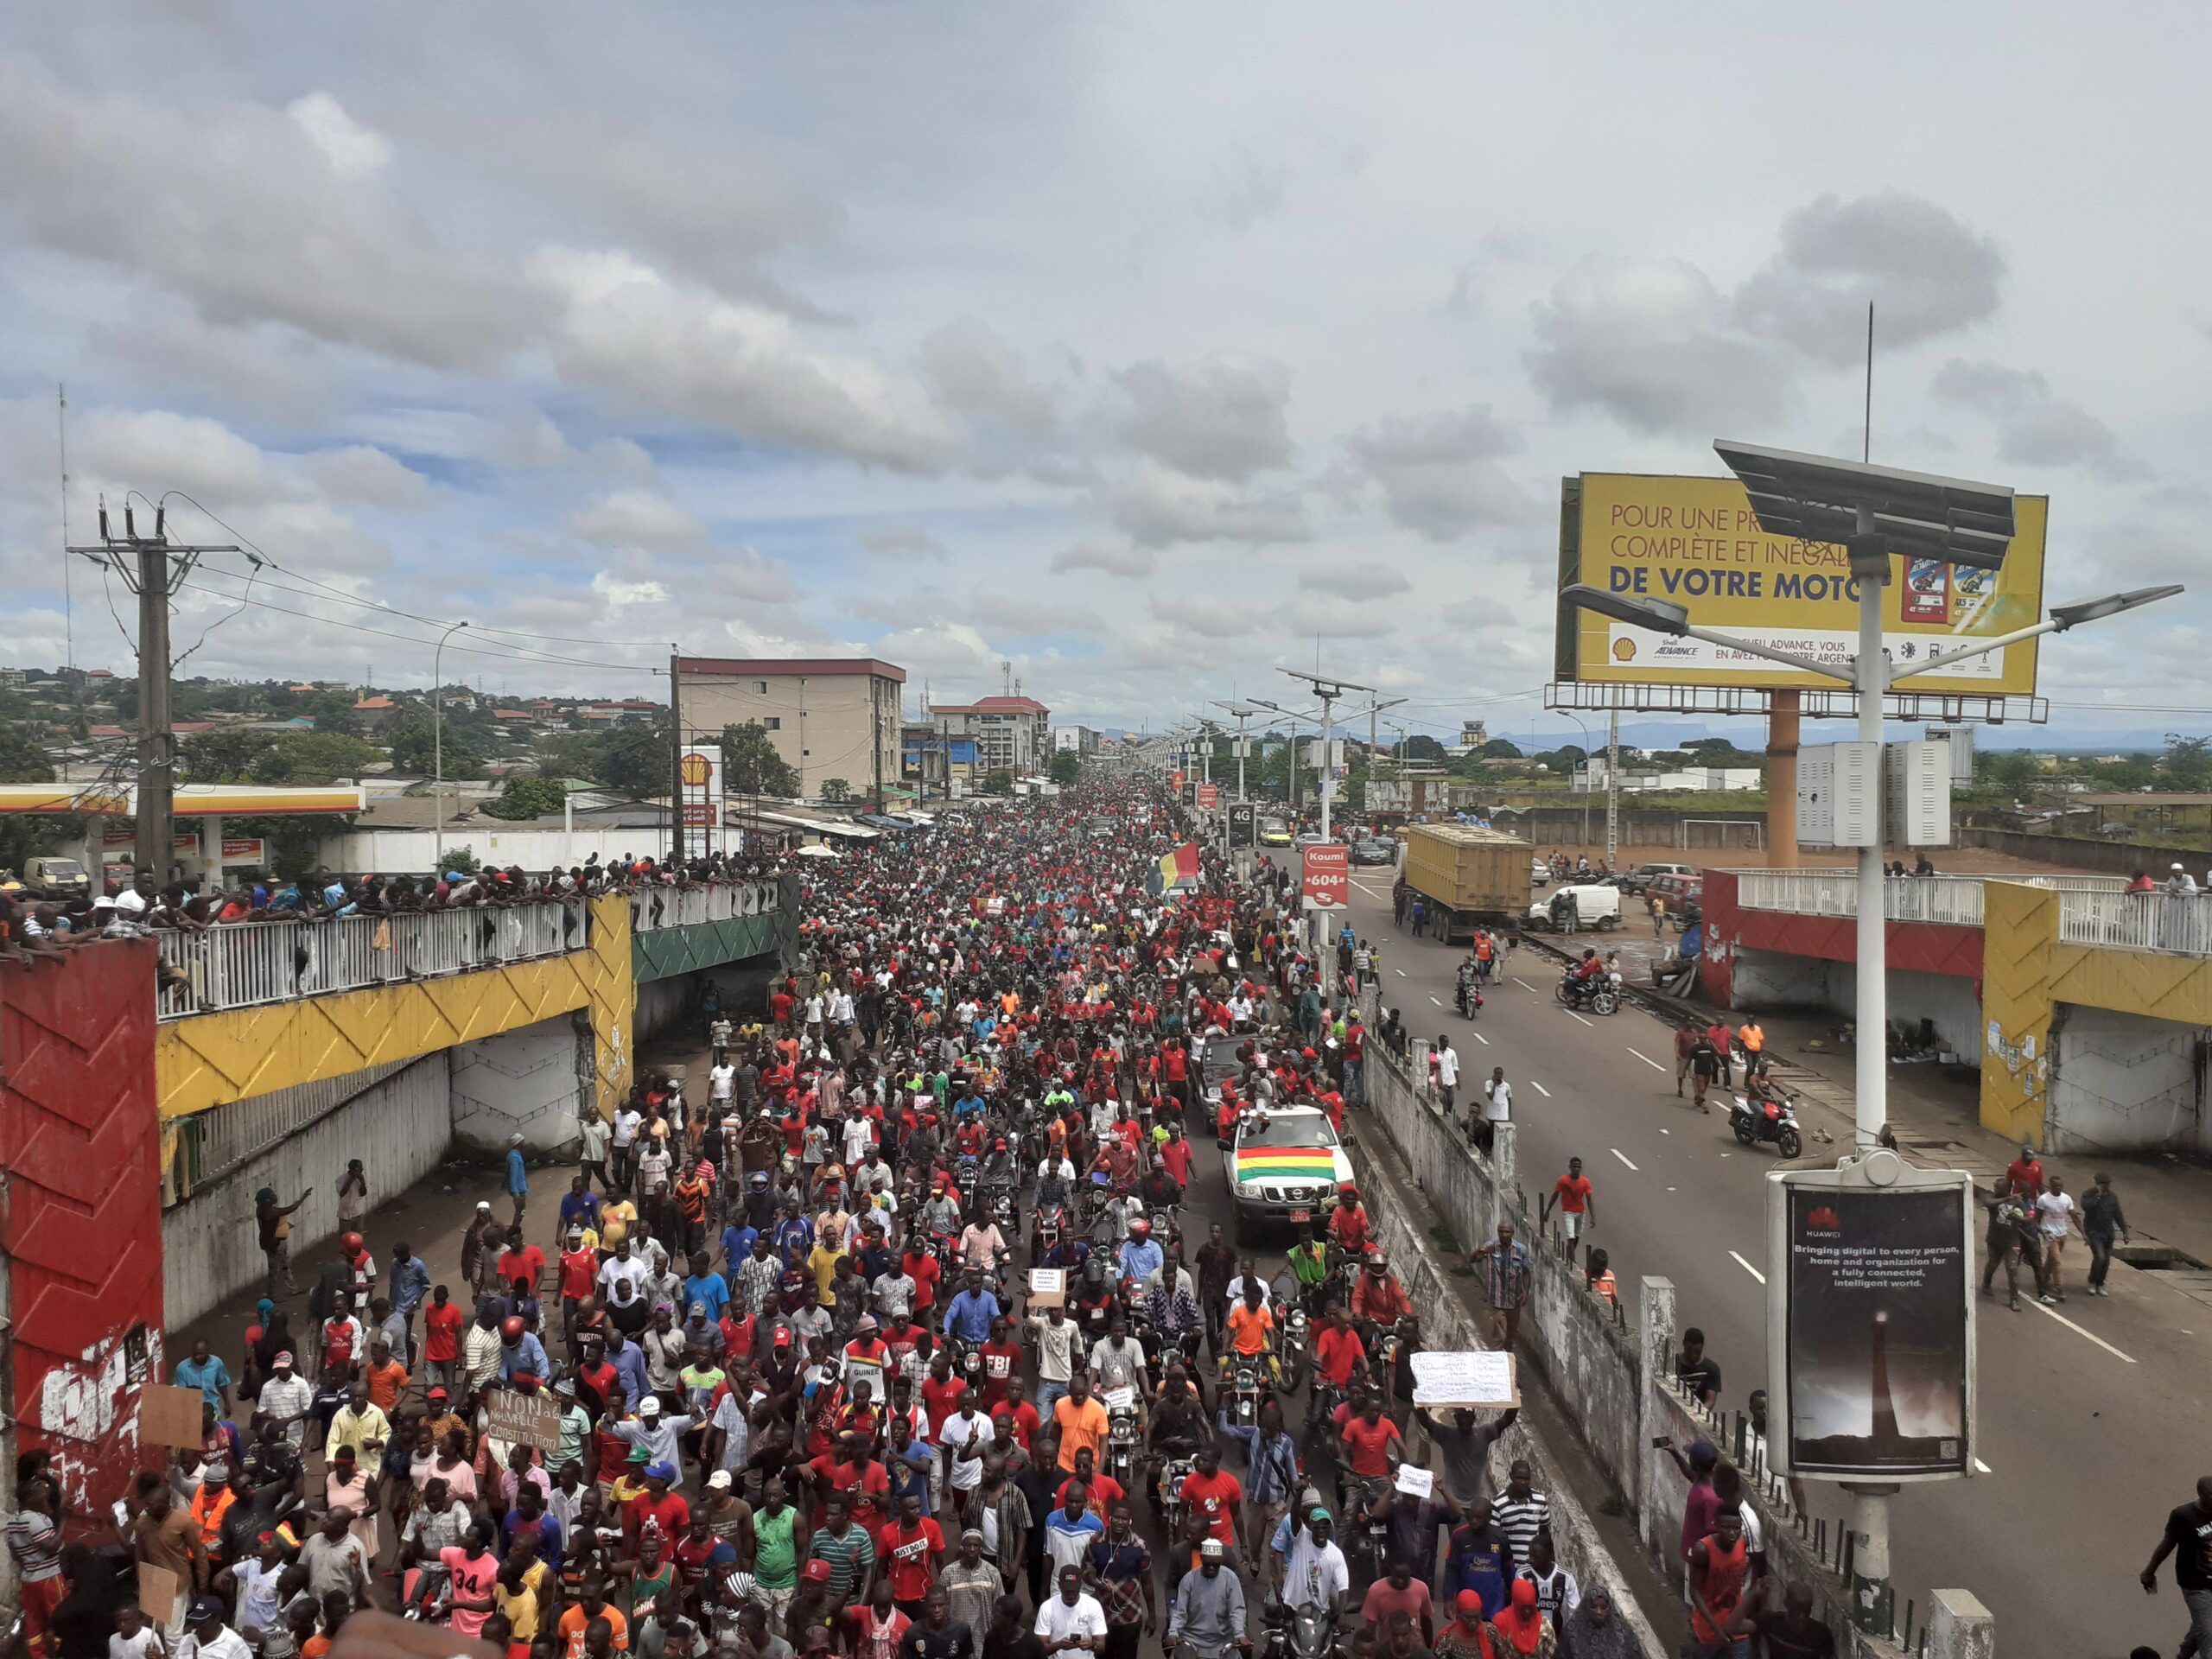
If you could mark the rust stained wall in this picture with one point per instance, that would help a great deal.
(80, 1144)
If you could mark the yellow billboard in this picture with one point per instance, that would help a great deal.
(1693, 542)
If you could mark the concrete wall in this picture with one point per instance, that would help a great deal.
(1564, 826)
(532, 1082)
(1776, 980)
(2089, 853)
(661, 1003)
(399, 1126)
(2125, 1082)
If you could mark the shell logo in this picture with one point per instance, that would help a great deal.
(695, 769)
(1624, 651)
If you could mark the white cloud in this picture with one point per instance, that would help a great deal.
(619, 593)
(1111, 558)
(744, 370)
(2035, 427)
(1221, 417)
(1355, 580)
(1159, 508)
(362, 472)
(1439, 474)
(978, 374)
(641, 517)
(352, 150)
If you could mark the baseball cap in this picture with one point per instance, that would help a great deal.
(719, 1481)
(1316, 1513)
(283, 1357)
(639, 1454)
(205, 1608)
(650, 1406)
(817, 1571)
(660, 1472)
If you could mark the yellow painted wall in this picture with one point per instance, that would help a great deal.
(2020, 930)
(210, 1060)
(2133, 982)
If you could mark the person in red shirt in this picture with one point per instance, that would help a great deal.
(921, 1267)
(1348, 1221)
(1368, 1439)
(1002, 1361)
(2025, 1173)
(1376, 1295)
(442, 1322)
(1103, 1489)
(579, 1268)
(1175, 1155)
(657, 1508)
(1211, 1491)
(911, 1549)
(1576, 1203)
(940, 1392)
(1338, 1354)
(1021, 1417)
(779, 1005)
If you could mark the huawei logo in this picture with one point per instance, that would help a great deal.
(1824, 1219)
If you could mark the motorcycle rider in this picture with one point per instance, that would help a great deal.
(1584, 976)
(1179, 1430)
(1140, 1256)
(1370, 1446)
(1378, 1300)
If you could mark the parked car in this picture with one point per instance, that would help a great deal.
(56, 878)
(1591, 905)
(1643, 875)
(1275, 833)
(1371, 851)
(1678, 890)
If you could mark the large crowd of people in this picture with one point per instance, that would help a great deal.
(773, 1375)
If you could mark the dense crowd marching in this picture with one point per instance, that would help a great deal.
(867, 1430)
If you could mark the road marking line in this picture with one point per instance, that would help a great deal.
(1982, 1468)
(1438, 1004)
(1479, 1038)
(1618, 1153)
(1647, 1060)
(2078, 1331)
(1539, 1088)
(1749, 1269)
(1524, 984)
(1402, 973)
(1572, 1014)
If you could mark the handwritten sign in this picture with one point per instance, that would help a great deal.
(170, 1416)
(1476, 1377)
(522, 1420)
(1121, 1399)
(1415, 1483)
(1048, 1287)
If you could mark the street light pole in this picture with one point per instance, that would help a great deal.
(438, 746)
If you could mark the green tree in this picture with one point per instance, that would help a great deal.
(1499, 749)
(333, 711)
(836, 789)
(751, 765)
(998, 782)
(524, 796)
(637, 760)
(419, 748)
(1422, 746)
(2187, 762)
(2013, 774)
(307, 758)
(224, 756)
(22, 761)
(1066, 767)
(567, 754)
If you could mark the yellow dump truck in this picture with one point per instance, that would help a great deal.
(1466, 876)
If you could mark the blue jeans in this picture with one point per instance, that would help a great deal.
(1049, 1395)
(1356, 1081)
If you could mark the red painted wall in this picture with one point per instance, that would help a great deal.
(1914, 947)
(80, 1144)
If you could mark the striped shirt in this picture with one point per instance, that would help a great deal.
(851, 1558)
(1519, 1519)
(36, 1546)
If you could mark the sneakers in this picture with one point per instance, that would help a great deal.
(2048, 1301)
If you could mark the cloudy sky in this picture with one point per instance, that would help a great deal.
(1135, 346)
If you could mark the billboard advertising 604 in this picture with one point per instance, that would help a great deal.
(1327, 875)
(1694, 542)
(1876, 1361)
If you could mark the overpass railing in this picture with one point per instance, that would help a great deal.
(1949, 901)
(2166, 923)
(251, 964)
(719, 901)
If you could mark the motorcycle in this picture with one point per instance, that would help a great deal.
(1600, 996)
(1307, 1632)
(1296, 1338)
(1466, 997)
(1121, 1445)
(1171, 1495)
(1767, 1115)
(1247, 1386)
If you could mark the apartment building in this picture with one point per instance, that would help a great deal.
(827, 716)
(1012, 734)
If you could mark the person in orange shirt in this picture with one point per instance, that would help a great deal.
(1251, 1327)
(1348, 1221)
(385, 1376)
(1081, 1420)
(591, 1602)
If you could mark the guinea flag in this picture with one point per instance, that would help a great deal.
(1181, 864)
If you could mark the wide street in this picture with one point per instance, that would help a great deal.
(2091, 1417)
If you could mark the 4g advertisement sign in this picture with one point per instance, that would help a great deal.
(1694, 542)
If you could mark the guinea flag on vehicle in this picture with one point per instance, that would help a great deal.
(1292, 1163)
(1178, 866)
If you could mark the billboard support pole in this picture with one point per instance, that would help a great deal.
(1873, 1018)
(1613, 791)
(1781, 729)
(1873, 1600)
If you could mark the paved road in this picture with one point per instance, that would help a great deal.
(2092, 1420)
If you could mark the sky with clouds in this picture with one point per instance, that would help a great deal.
(1148, 348)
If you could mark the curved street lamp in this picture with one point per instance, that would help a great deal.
(438, 746)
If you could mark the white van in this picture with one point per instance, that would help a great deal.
(1591, 906)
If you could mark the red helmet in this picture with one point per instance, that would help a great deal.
(1140, 1227)
(352, 1243)
(512, 1327)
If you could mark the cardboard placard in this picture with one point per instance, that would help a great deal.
(169, 1416)
(1415, 1482)
(522, 1420)
(1481, 1378)
(157, 1592)
(1048, 1287)
(1121, 1399)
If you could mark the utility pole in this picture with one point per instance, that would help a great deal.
(680, 835)
(1243, 711)
(1328, 691)
(152, 568)
(1613, 792)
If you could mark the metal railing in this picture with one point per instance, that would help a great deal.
(1950, 901)
(254, 964)
(721, 901)
(2167, 923)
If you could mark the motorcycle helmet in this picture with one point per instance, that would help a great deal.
(1139, 1228)
(512, 1327)
(352, 1243)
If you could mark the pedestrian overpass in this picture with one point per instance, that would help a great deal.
(152, 1086)
(2085, 1005)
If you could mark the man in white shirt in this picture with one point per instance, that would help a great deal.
(1315, 1575)
(1072, 1619)
(721, 1083)
(1446, 1061)
(628, 1120)
(2058, 1215)
(286, 1398)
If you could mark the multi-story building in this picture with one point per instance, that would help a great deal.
(1075, 739)
(1012, 734)
(827, 716)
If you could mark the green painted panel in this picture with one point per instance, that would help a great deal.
(671, 951)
